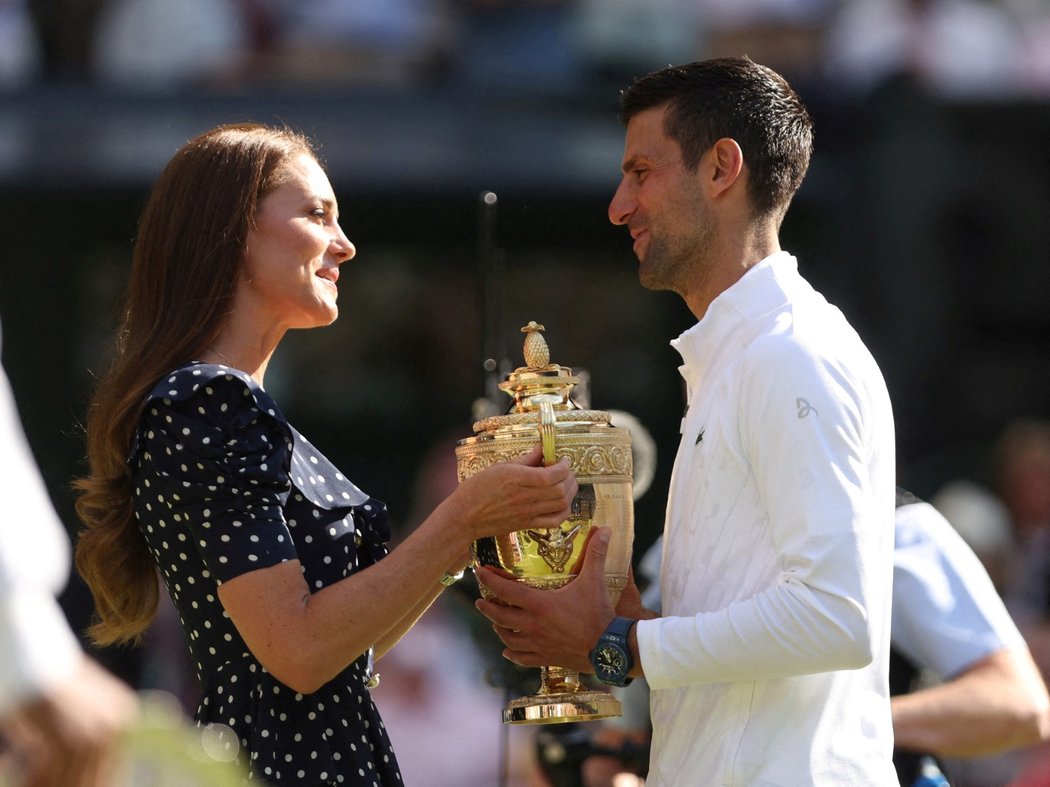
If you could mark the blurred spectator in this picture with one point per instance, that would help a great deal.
(65, 30)
(1033, 17)
(956, 48)
(620, 39)
(1022, 473)
(156, 43)
(986, 695)
(984, 524)
(19, 48)
(1023, 476)
(366, 41)
(159, 44)
(519, 43)
(786, 35)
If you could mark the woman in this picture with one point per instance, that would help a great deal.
(276, 563)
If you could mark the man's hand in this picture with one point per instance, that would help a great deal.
(630, 602)
(552, 627)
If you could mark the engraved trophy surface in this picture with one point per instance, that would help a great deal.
(600, 455)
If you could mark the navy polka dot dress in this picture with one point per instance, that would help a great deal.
(224, 485)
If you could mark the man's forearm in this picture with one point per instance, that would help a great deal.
(1000, 703)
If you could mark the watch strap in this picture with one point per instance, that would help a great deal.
(620, 627)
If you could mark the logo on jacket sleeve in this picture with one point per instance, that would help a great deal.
(805, 408)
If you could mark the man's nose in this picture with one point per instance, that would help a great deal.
(621, 207)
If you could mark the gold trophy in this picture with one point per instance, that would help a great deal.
(600, 455)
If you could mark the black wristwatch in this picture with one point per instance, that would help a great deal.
(611, 657)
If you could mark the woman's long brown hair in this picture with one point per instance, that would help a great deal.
(184, 269)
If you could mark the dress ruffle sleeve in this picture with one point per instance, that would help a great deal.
(230, 450)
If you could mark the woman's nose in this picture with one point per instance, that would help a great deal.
(342, 248)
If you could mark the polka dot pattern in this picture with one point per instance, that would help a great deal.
(224, 485)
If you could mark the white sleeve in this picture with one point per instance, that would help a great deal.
(947, 613)
(37, 647)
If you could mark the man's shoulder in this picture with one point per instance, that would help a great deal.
(806, 331)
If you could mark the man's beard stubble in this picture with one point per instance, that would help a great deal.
(670, 262)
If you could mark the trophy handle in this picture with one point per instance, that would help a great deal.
(547, 426)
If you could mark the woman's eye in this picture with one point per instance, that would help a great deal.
(318, 213)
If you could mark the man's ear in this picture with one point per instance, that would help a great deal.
(726, 164)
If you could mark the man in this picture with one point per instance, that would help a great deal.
(948, 619)
(60, 712)
(768, 662)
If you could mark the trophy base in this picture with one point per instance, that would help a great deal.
(562, 707)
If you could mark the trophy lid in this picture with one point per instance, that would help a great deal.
(538, 377)
(537, 383)
(542, 408)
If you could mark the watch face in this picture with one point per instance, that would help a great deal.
(610, 662)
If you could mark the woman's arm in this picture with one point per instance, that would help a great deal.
(383, 646)
(305, 639)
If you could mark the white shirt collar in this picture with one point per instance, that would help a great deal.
(758, 291)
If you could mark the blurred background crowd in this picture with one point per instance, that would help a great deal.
(960, 47)
(924, 218)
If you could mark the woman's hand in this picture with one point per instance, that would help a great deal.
(515, 495)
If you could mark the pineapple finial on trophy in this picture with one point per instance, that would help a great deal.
(537, 354)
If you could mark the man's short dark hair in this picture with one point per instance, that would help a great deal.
(740, 99)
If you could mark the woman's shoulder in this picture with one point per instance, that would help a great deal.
(200, 403)
(206, 408)
(219, 387)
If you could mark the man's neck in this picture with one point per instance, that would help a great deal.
(728, 268)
